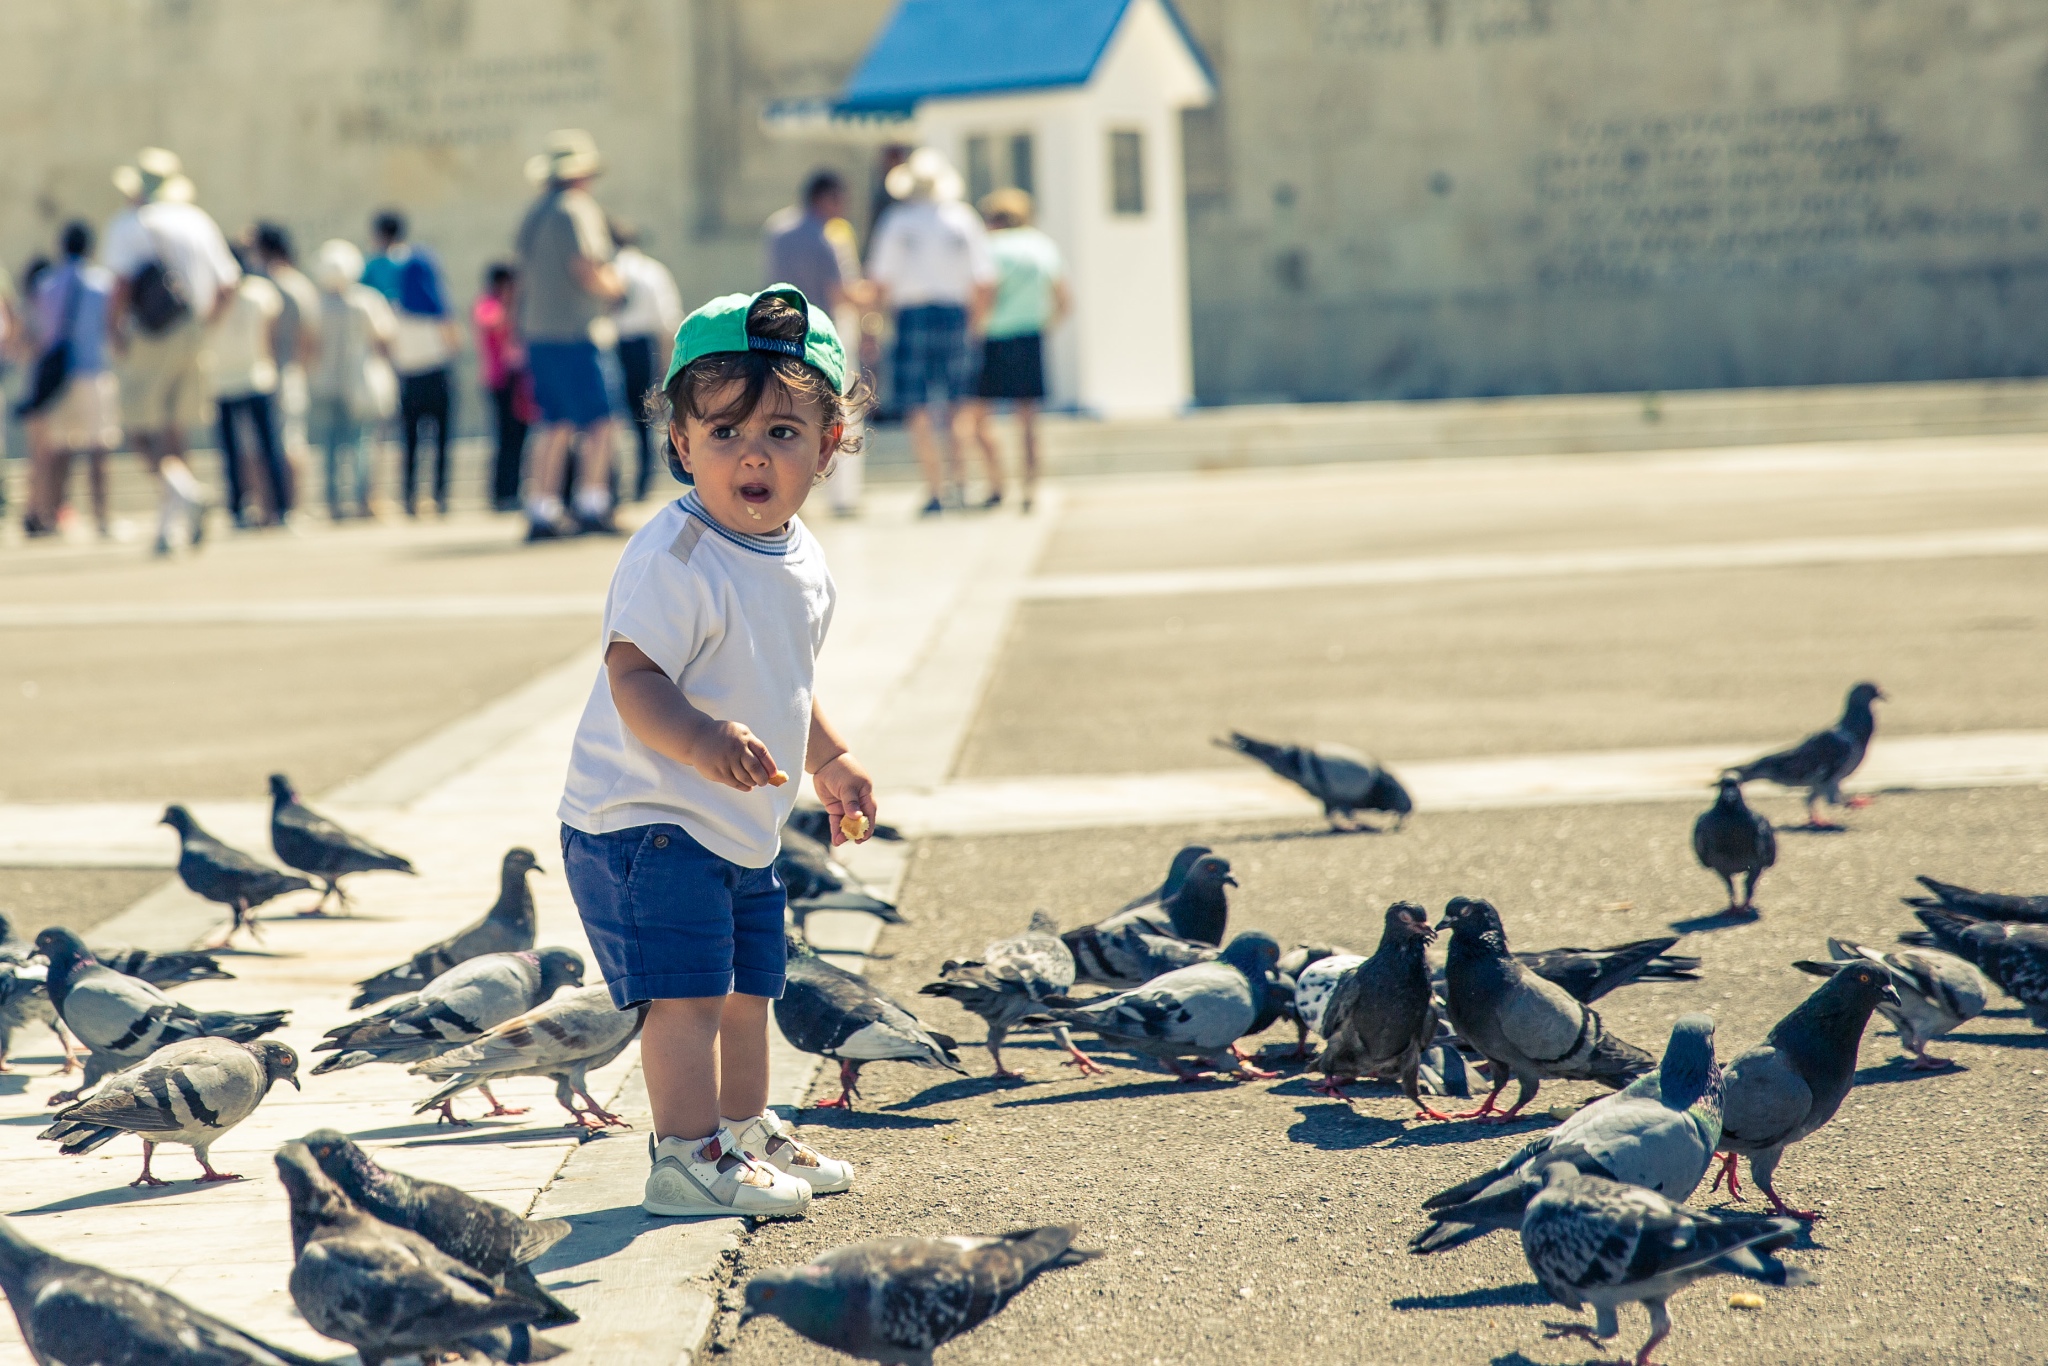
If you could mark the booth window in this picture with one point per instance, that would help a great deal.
(1020, 164)
(981, 171)
(987, 171)
(1126, 171)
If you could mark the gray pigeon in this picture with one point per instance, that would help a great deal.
(1196, 913)
(219, 872)
(24, 1001)
(508, 926)
(1011, 983)
(1192, 1012)
(818, 881)
(1131, 955)
(1176, 874)
(831, 1013)
(1793, 1082)
(453, 1009)
(190, 1093)
(1599, 1242)
(308, 841)
(474, 1232)
(122, 1019)
(1937, 991)
(72, 1314)
(2031, 910)
(1383, 1013)
(572, 1035)
(1821, 761)
(1339, 777)
(893, 1300)
(1659, 1132)
(1731, 841)
(1529, 1029)
(2015, 956)
(385, 1291)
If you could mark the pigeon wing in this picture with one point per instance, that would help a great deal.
(88, 1315)
(1765, 1102)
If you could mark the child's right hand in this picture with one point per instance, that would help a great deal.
(729, 754)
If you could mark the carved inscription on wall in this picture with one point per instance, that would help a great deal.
(468, 101)
(1394, 24)
(1759, 193)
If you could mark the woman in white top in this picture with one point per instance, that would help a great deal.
(244, 346)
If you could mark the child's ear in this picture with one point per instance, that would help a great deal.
(828, 444)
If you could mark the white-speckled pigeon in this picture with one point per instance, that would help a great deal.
(1732, 841)
(1176, 874)
(832, 1013)
(1011, 984)
(1383, 1013)
(893, 1300)
(1192, 1012)
(477, 1233)
(1821, 761)
(308, 841)
(1937, 991)
(506, 928)
(2029, 910)
(1793, 1082)
(1316, 970)
(1599, 1242)
(1528, 1028)
(222, 873)
(564, 1040)
(818, 881)
(2015, 956)
(1658, 1132)
(190, 1093)
(72, 1314)
(1339, 777)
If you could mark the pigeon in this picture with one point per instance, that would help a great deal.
(474, 1232)
(2032, 910)
(1529, 1029)
(1383, 1014)
(1793, 1082)
(831, 1013)
(172, 969)
(1730, 839)
(1008, 986)
(73, 1314)
(1342, 779)
(25, 1000)
(2013, 956)
(817, 881)
(1196, 913)
(572, 1035)
(506, 927)
(816, 822)
(122, 1019)
(221, 873)
(1821, 761)
(1594, 1241)
(1130, 956)
(453, 1009)
(1316, 971)
(306, 840)
(190, 1092)
(1658, 1132)
(895, 1299)
(1937, 991)
(1589, 974)
(1176, 874)
(1191, 1012)
(386, 1291)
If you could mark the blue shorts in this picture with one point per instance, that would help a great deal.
(668, 918)
(568, 383)
(932, 362)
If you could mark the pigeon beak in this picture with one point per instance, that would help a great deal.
(747, 1313)
(1888, 994)
(1229, 881)
(295, 1084)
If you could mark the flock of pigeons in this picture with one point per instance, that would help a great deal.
(397, 1266)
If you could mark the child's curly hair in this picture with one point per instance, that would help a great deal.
(689, 393)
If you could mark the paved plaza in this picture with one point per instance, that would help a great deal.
(1556, 652)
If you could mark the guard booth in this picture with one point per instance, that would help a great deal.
(1078, 102)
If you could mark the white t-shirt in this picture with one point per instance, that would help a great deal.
(243, 363)
(184, 237)
(930, 252)
(653, 306)
(736, 621)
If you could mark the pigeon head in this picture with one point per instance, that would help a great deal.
(1387, 794)
(315, 1200)
(66, 951)
(1407, 921)
(1730, 794)
(801, 1296)
(1475, 927)
(1828, 1023)
(1042, 922)
(1201, 909)
(18, 1257)
(519, 861)
(342, 1160)
(1863, 694)
(179, 819)
(1253, 953)
(281, 789)
(1177, 871)
(560, 968)
(280, 1063)
(1688, 1069)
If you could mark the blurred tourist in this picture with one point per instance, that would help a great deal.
(244, 346)
(298, 344)
(501, 365)
(351, 388)
(647, 321)
(812, 246)
(1030, 299)
(72, 398)
(173, 275)
(421, 351)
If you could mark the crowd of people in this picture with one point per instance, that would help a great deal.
(161, 327)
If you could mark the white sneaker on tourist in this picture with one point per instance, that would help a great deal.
(765, 1138)
(710, 1177)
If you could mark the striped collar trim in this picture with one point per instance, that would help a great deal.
(774, 547)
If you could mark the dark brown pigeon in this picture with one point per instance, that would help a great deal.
(1731, 841)
(1821, 761)
(308, 841)
(1383, 1013)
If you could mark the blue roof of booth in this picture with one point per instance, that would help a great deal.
(984, 47)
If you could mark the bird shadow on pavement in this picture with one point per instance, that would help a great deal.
(1895, 1070)
(13, 1083)
(524, 1133)
(1719, 920)
(1804, 829)
(966, 1088)
(1165, 1086)
(1486, 1297)
(1336, 1127)
(1282, 836)
(1999, 1040)
(593, 1236)
(122, 1195)
(836, 1118)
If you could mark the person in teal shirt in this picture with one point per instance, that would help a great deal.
(1030, 299)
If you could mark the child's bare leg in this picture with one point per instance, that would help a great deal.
(1027, 420)
(924, 443)
(743, 1057)
(679, 1059)
(980, 419)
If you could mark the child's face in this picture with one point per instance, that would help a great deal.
(754, 475)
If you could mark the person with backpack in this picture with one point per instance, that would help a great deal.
(72, 396)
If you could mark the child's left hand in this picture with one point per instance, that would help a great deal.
(846, 789)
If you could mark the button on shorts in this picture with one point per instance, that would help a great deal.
(668, 918)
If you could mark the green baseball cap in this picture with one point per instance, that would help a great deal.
(721, 325)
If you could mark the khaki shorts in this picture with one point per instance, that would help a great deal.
(164, 382)
(86, 416)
